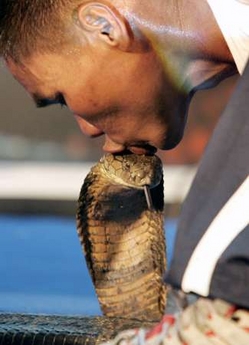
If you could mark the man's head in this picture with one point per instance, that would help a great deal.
(124, 69)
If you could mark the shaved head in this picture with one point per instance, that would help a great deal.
(35, 26)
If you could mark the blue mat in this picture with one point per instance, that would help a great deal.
(43, 269)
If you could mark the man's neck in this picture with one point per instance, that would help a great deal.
(186, 37)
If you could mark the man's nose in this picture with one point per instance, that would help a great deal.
(111, 146)
(87, 128)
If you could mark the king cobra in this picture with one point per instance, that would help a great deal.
(120, 225)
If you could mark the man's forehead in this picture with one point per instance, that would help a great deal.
(36, 67)
(21, 72)
(18, 69)
(27, 75)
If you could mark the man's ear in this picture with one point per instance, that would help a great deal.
(103, 22)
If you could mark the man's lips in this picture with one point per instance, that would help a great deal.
(143, 150)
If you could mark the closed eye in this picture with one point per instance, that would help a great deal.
(61, 100)
(42, 102)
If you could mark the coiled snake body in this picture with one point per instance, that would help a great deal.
(121, 231)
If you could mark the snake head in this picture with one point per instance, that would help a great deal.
(132, 170)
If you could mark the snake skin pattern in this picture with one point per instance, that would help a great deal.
(122, 237)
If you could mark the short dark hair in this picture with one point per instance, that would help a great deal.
(28, 26)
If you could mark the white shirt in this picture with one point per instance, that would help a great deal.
(232, 17)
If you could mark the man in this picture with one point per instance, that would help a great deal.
(128, 69)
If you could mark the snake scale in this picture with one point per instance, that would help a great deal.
(120, 226)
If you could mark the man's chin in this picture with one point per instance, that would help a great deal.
(172, 141)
